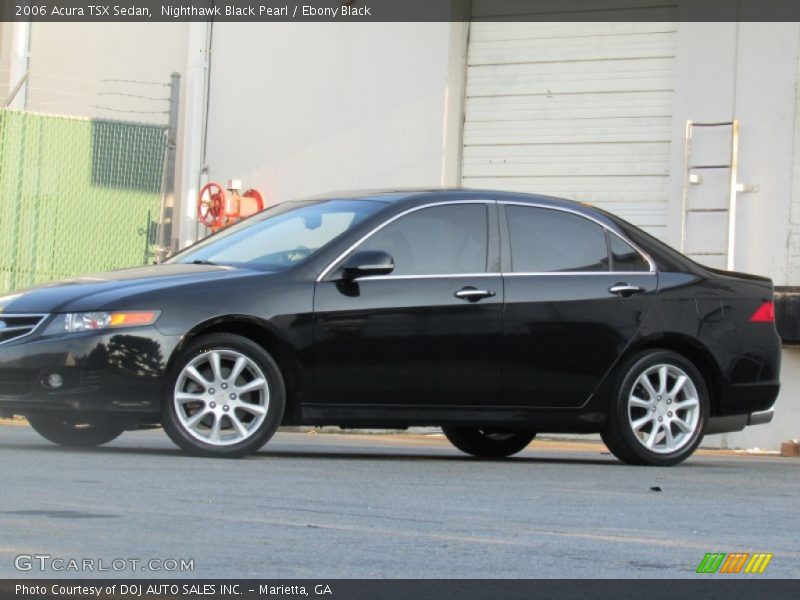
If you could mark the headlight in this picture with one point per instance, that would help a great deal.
(91, 321)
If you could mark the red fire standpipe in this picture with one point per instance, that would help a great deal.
(218, 208)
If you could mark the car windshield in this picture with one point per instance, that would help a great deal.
(280, 237)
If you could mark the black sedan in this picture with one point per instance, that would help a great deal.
(493, 315)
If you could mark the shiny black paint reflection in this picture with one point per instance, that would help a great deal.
(727, 344)
(102, 373)
(562, 334)
(408, 342)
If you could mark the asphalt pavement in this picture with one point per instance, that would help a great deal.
(384, 506)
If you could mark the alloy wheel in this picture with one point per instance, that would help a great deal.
(221, 397)
(664, 408)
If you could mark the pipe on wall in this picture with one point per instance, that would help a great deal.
(194, 128)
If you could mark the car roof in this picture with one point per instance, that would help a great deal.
(401, 199)
(381, 195)
(395, 195)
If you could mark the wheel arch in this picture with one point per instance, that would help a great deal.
(693, 351)
(260, 332)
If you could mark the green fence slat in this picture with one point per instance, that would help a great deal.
(77, 195)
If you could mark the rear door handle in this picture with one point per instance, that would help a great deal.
(625, 290)
(473, 294)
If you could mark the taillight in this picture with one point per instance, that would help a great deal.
(764, 314)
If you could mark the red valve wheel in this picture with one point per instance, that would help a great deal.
(211, 205)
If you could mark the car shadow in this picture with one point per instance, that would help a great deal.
(44, 447)
(388, 455)
(325, 451)
(406, 456)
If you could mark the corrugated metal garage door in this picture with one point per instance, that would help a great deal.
(578, 110)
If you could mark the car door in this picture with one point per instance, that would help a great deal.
(430, 332)
(575, 295)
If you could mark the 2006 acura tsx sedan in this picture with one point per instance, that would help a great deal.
(494, 315)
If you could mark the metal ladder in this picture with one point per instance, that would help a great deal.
(734, 188)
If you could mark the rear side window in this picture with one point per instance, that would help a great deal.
(553, 241)
(625, 257)
(440, 240)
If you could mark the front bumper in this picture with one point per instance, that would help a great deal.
(112, 371)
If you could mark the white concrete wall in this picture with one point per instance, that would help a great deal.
(765, 104)
(69, 62)
(309, 108)
(747, 71)
(793, 244)
(5, 56)
(705, 68)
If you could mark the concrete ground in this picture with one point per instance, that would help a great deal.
(388, 506)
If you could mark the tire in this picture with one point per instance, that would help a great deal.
(488, 443)
(661, 424)
(82, 435)
(211, 411)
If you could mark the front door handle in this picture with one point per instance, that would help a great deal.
(625, 290)
(473, 294)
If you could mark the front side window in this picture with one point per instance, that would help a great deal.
(281, 237)
(553, 241)
(440, 240)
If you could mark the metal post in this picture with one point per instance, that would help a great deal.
(19, 64)
(194, 129)
(687, 174)
(733, 191)
(164, 244)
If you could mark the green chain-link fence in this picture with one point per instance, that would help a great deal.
(77, 196)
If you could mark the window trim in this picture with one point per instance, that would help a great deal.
(610, 233)
(430, 276)
(344, 255)
(606, 230)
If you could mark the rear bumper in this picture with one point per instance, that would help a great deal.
(760, 418)
(742, 398)
(109, 372)
(737, 422)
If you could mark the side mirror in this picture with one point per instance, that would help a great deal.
(364, 264)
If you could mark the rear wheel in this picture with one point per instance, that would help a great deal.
(659, 410)
(225, 397)
(489, 442)
(81, 435)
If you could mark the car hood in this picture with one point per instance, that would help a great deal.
(103, 290)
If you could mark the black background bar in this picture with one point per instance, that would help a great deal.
(708, 587)
(399, 10)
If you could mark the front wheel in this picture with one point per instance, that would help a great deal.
(659, 410)
(225, 397)
(76, 435)
(488, 442)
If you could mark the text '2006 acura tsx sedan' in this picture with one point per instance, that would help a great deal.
(493, 315)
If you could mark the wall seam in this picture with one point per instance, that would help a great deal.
(789, 275)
